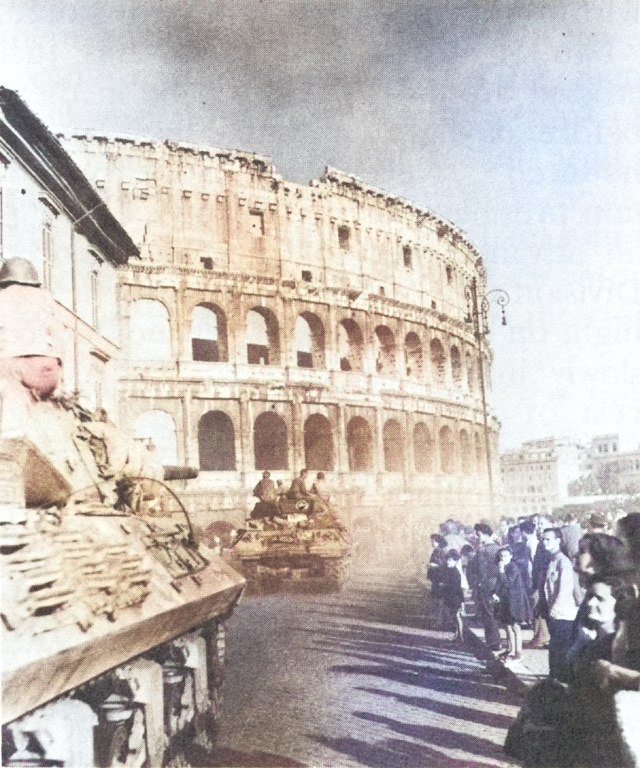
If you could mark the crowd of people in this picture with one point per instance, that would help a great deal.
(576, 583)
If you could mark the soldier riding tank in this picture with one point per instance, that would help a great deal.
(292, 540)
(112, 612)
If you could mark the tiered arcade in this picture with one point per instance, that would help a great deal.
(272, 325)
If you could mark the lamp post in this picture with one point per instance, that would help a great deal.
(478, 314)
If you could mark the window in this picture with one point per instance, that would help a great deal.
(449, 271)
(447, 451)
(270, 442)
(94, 300)
(204, 335)
(407, 256)
(47, 256)
(207, 262)
(350, 345)
(262, 338)
(385, 351)
(216, 442)
(422, 448)
(393, 446)
(318, 443)
(359, 445)
(344, 234)
(256, 223)
(307, 277)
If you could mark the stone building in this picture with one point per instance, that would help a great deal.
(52, 216)
(536, 476)
(272, 325)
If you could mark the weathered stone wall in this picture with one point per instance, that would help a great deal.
(380, 284)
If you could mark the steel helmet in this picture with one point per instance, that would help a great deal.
(20, 271)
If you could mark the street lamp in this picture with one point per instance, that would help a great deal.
(478, 314)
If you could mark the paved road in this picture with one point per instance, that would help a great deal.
(354, 679)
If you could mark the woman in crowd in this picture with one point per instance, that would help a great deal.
(512, 601)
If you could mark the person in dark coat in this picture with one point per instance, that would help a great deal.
(452, 593)
(435, 571)
(482, 573)
(512, 601)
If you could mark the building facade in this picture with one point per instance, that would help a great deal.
(536, 476)
(52, 216)
(272, 325)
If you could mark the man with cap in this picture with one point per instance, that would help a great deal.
(30, 330)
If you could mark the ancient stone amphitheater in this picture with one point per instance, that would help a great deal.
(273, 325)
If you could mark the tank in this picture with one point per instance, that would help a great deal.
(112, 611)
(297, 547)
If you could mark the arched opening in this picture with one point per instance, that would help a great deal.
(385, 351)
(422, 448)
(359, 445)
(456, 366)
(208, 334)
(465, 452)
(350, 345)
(158, 429)
(318, 443)
(149, 331)
(447, 451)
(270, 442)
(413, 355)
(263, 344)
(437, 360)
(393, 446)
(216, 442)
(309, 341)
(471, 372)
(480, 467)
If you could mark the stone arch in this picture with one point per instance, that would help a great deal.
(471, 371)
(438, 360)
(479, 445)
(413, 355)
(447, 451)
(270, 442)
(149, 330)
(209, 334)
(216, 442)
(385, 351)
(465, 452)
(456, 366)
(393, 445)
(263, 337)
(350, 345)
(318, 443)
(158, 428)
(422, 448)
(309, 341)
(359, 445)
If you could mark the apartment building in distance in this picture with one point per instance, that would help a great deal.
(535, 476)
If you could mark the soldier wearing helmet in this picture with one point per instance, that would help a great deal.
(30, 331)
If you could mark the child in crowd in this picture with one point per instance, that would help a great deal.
(512, 601)
(451, 592)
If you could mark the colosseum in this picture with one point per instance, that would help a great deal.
(274, 325)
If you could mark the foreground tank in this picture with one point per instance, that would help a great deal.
(294, 547)
(112, 612)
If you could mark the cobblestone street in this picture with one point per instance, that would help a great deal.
(355, 679)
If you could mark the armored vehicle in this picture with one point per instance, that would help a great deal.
(296, 546)
(112, 612)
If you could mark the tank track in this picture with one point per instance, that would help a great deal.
(159, 709)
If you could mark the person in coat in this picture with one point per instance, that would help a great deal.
(452, 593)
(512, 601)
(482, 574)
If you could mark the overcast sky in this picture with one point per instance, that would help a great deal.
(519, 120)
